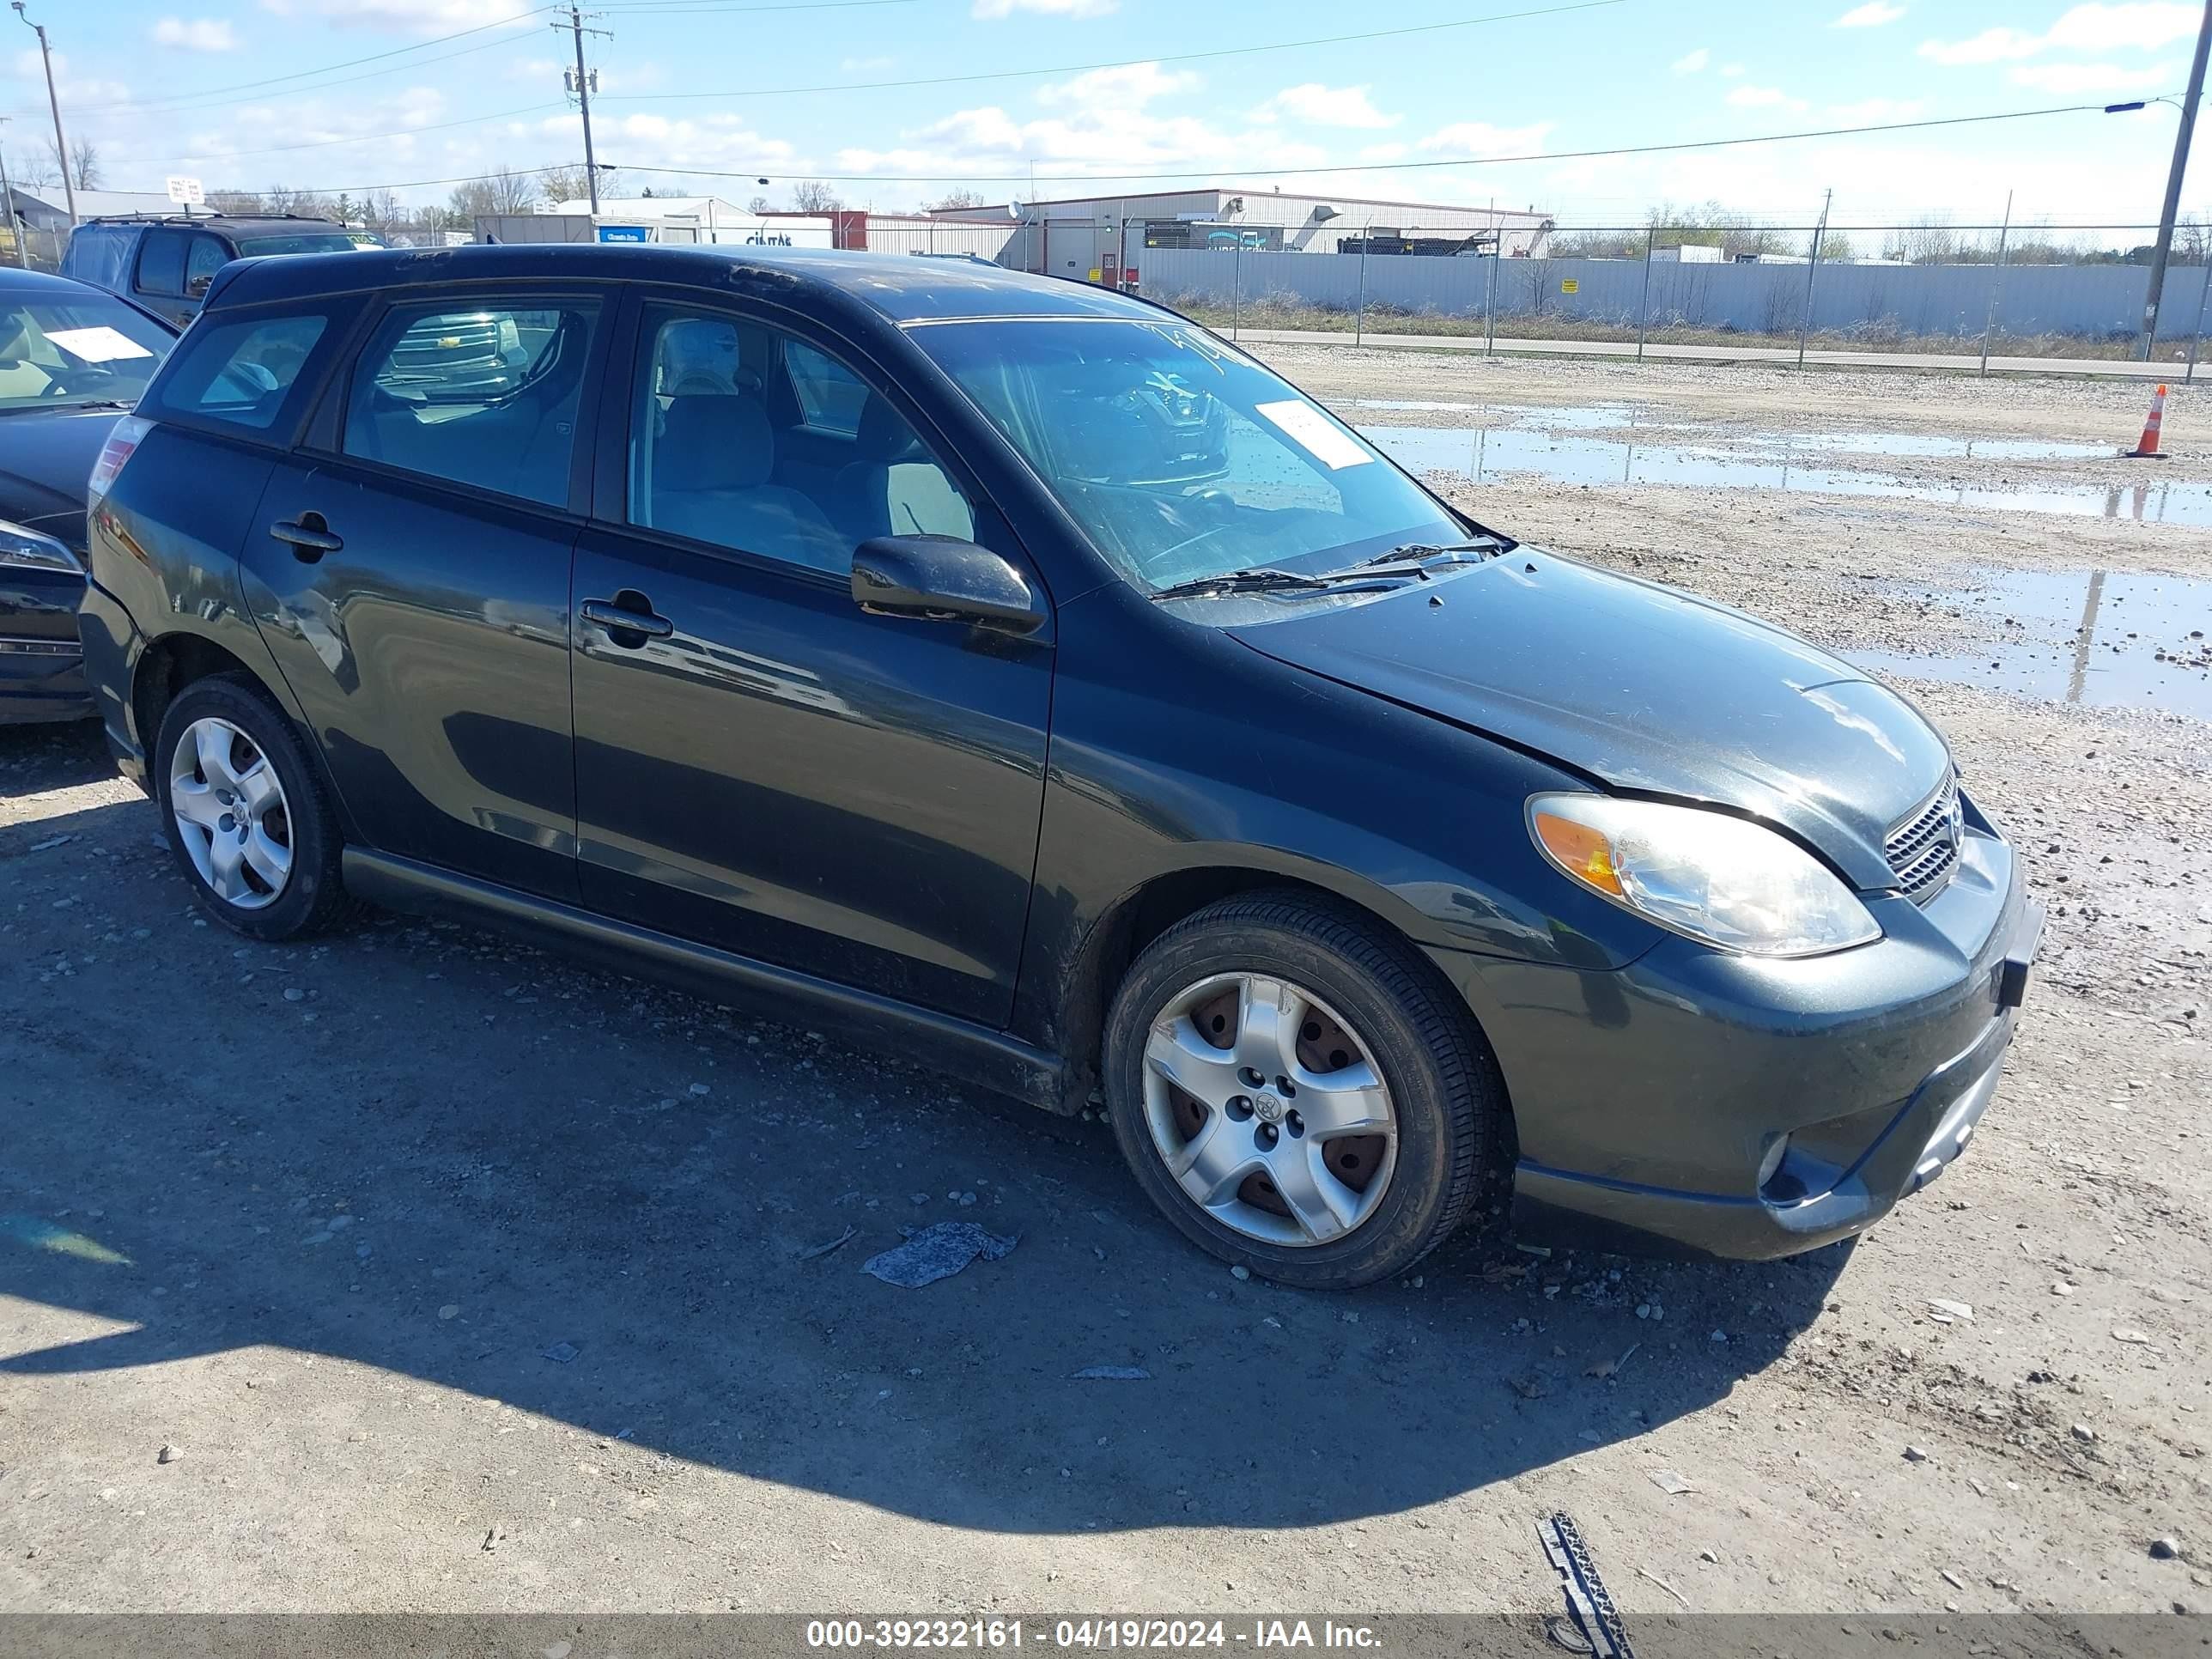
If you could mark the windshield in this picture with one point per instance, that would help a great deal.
(1181, 457)
(61, 353)
(252, 244)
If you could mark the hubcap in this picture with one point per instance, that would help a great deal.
(231, 813)
(1268, 1110)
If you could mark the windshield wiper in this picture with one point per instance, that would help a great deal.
(1260, 579)
(1416, 556)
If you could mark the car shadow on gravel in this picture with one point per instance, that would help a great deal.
(424, 1151)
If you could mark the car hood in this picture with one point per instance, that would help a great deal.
(45, 460)
(1641, 687)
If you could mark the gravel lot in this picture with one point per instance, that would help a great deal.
(287, 1234)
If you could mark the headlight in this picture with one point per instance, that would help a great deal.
(21, 547)
(1715, 877)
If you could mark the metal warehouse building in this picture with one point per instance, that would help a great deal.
(1100, 238)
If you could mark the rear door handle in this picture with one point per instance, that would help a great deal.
(309, 536)
(617, 620)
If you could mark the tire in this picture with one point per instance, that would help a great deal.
(232, 859)
(1368, 1012)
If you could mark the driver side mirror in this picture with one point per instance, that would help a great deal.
(943, 579)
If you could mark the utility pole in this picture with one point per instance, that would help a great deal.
(1812, 268)
(8, 207)
(575, 27)
(61, 143)
(2157, 289)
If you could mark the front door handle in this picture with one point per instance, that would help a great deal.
(619, 619)
(309, 536)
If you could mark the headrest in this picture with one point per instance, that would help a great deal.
(883, 436)
(714, 441)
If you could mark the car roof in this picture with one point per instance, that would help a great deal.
(209, 222)
(16, 280)
(899, 287)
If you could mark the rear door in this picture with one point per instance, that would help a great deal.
(410, 567)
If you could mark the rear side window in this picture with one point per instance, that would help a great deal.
(161, 263)
(238, 372)
(484, 396)
(208, 256)
(99, 254)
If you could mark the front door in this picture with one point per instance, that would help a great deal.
(759, 766)
(411, 579)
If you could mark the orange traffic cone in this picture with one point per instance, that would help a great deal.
(2148, 449)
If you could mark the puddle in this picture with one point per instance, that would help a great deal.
(1476, 453)
(2090, 636)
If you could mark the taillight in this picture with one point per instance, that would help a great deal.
(121, 442)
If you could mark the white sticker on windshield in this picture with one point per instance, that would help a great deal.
(1312, 431)
(96, 345)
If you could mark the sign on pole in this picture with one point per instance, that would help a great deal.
(187, 192)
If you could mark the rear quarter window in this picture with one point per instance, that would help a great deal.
(99, 254)
(239, 372)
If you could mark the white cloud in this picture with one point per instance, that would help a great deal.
(2144, 26)
(1748, 97)
(1477, 139)
(2070, 78)
(991, 9)
(1125, 86)
(2139, 27)
(1731, 70)
(1690, 62)
(1324, 106)
(1872, 15)
(1989, 47)
(196, 34)
(1384, 153)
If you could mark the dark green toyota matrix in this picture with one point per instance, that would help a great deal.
(1019, 676)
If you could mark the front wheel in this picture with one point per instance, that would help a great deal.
(246, 815)
(1296, 1096)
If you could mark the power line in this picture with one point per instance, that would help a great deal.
(300, 75)
(1125, 62)
(1384, 166)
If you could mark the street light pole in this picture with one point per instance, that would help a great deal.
(2156, 290)
(61, 143)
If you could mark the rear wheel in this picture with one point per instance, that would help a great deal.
(1296, 1094)
(246, 816)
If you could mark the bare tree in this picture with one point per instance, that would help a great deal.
(1928, 241)
(575, 183)
(758, 204)
(84, 165)
(236, 203)
(812, 195)
(467, 201)
(953, 200)
(512, 192)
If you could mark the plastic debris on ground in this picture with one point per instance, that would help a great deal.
(935, 1252)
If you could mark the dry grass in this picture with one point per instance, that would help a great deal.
(1282, 311)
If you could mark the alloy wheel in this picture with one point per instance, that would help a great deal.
(1267, 1109)
(231, 813)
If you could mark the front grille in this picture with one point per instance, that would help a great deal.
(1923, 849)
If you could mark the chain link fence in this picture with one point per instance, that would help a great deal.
(1982, 293)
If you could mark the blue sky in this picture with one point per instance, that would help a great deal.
(162, 86)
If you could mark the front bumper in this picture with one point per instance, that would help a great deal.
(1645, 1098)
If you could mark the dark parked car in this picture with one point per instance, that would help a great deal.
(787, 627)
(72, 359)
(165, 263)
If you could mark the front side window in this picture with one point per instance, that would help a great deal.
(1182, 457)
(238, 372)
(82, 348)
(730, 444)
(481, 396)
(161, 263)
